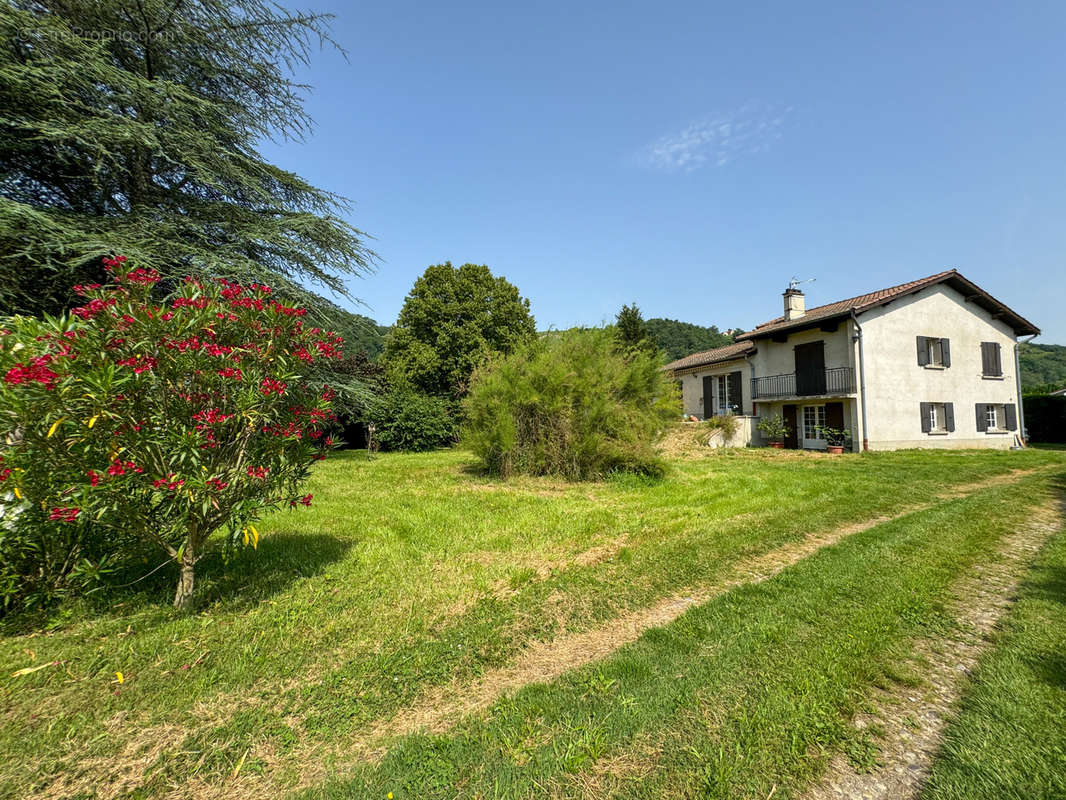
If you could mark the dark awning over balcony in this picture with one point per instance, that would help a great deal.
(829, 382)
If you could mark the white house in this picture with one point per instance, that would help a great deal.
(929, 363)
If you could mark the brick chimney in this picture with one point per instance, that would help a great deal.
(795, 307)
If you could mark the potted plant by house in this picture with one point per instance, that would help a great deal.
(774, 429)
(836, 439)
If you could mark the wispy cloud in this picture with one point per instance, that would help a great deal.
(717, 140)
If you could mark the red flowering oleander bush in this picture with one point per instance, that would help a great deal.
(132, 420)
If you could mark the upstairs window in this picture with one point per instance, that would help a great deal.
(991, 360)
(934, 351)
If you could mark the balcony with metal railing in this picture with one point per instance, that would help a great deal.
(833, 382)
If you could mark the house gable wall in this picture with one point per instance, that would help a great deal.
(896, 384)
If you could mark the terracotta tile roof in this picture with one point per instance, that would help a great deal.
(864, 302)
(707, 357)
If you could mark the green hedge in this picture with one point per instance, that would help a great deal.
(1045, 418)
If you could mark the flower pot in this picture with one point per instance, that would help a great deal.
(835, 449)
(778, 445)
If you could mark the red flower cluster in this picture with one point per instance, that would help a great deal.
(84, 288)
(5, 472)
(145, 277)
(94, 478)
(293, 429)
(120, 467)
(231, 372)
(139, 363)
(191, 302)
(288, 311)
(258, 472)
(211, 416)
(93, 308)
(270, 385)
(216, 484)
(168, 482)
(64, 514)
(113, 263)
(37, 370)
(305, 500)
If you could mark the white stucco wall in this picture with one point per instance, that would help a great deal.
(778, 358)
(896, 384)
(692, 385)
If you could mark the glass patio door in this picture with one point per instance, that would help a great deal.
(813, 419)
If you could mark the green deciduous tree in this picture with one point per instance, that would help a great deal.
(452, 320)
(133, 127)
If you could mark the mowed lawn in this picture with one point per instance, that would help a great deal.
(412, 572)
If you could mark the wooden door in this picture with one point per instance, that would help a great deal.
(810, 368)
(708, 396)
(792, 437)
(834, 416)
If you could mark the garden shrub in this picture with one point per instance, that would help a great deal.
(132, 421)
(570, 405)
(405, 419)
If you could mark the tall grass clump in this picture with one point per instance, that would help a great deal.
(571, 404)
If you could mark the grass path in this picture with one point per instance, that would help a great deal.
(747, 694)
(910, 720)
(1007, 737)
(439, 709)
(410, 574)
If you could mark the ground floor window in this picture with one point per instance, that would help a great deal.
(723, 395)
(813, 420)
(936, 417)
(992, 415)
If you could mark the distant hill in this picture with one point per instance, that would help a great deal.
(678, 339)
(1043, 365)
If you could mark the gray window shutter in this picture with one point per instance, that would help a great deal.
(1011, 412)
(991, 363)
(736, 397)
(923, 352)
(949, 416)
(926, 427)
(945, 350)
(982, 419)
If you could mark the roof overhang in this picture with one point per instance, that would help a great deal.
(967, 288)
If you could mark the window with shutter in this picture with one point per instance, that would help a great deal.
(949, 417)
(991, 360)
(982, 418)
(736, 398)
(933, 352)
(1010, 414)
(935, 418)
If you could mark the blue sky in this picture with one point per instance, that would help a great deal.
(692, 157)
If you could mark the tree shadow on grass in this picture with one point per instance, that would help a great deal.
(231, 583)
(250, 576)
